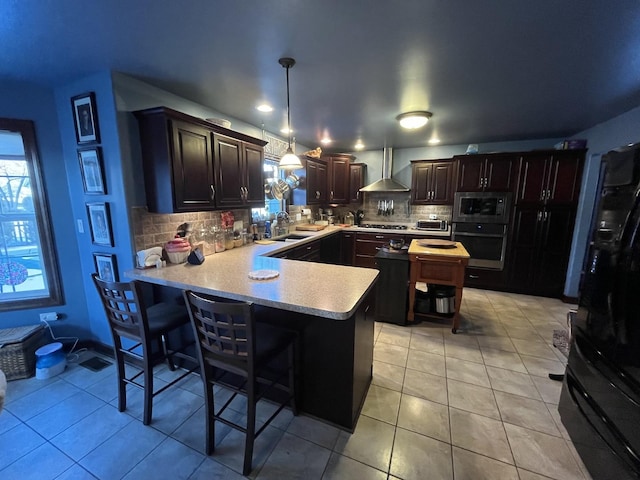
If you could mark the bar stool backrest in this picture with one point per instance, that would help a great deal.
(225, 330)
(124, 306)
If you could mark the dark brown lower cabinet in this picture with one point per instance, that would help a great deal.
(484, 278)
(539, 249)
(347, 248)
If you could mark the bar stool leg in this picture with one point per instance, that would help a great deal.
(148, 386)
(251, 427)
(122, 386)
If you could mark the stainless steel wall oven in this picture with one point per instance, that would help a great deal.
(480, 223)
(485, 242)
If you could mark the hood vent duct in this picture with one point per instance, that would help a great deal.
(386, 183)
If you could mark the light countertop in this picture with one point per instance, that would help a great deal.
(330, 291)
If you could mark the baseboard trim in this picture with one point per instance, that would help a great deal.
(98, 347)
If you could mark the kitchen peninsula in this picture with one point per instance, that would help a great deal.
(331, 306)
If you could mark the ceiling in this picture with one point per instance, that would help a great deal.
(489, 71)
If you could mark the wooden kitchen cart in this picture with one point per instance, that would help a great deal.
(441, 266)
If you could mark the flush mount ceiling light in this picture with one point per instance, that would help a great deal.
(413, 120)
(264, 107)
(289, 161)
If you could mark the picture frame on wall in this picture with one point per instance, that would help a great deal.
(92, 171)
(85, 117)
(100, 224)
(106, 266)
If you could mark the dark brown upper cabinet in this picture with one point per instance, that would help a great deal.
(317, 176)
(486, 173)
(356, 181)
(192, 165)
(338, 175)
(432, 182)
(238, 173)
(550, 178)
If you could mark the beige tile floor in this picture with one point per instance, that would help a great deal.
(477, 405)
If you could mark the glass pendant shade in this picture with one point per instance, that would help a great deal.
(290, 161)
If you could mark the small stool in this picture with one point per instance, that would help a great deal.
(50, 360)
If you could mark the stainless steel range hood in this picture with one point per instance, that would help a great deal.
(386, 183)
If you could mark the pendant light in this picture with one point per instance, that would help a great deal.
(289, 161)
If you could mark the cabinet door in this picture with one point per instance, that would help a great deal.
(420, 186)
(499, 173)
(532, 177)
(523, 244)
(254, 175)
(441, 183)
(192, 167)
(539, 249)
(565, 177)
(356, 182)
(338, 186)
(554, 247)
(347, 248)
(316, 182)
(229, 167)
(432, 182)
(470, 174)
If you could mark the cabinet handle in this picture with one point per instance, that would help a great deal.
(242, 193)
(246, 193)
(379, 236)
(548, 194)
(331, 195)
(317, 194)
(544, 217)
(213, 192)
(474, 276)
(358, 195)
(539, 216)
(347, 236)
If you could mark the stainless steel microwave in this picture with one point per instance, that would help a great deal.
(485, 207)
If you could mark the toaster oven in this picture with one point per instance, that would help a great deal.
(432, 225)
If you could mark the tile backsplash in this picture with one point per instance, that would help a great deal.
(403, 211)
(156, 229)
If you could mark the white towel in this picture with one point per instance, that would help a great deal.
(149, 257)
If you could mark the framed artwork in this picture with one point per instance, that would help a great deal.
(100, 224)
(106, 266)
(92, 172)
(85, 117)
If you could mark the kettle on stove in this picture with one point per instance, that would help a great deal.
(359, 217)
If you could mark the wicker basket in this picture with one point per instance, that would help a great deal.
(17, 350)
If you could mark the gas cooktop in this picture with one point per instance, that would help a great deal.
(385, 226)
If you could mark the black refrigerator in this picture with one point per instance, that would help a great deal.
(600, 400)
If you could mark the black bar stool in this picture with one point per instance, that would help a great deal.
(130, 318)
(241, 354)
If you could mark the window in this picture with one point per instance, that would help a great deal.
(28, 266)
(271, 205)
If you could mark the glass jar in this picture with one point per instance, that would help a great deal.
(228, 238)
(219, 243)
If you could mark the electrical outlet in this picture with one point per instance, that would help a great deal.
(48, 317)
